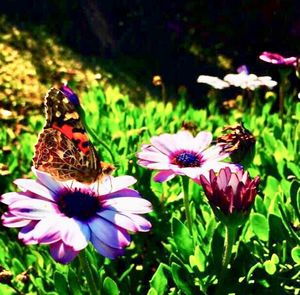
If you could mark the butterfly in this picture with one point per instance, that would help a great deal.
(63, 149)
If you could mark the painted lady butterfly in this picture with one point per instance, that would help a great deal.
(63, 148)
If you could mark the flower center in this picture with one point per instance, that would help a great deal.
(187, 159)
(78, 204)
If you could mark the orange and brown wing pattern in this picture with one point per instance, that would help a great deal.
(63, 147)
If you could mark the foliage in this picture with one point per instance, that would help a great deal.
(169, 260)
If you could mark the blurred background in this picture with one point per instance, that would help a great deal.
(46, 41)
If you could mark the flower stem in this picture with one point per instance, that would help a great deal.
(185, 185)
(92, 285)
(230, 236)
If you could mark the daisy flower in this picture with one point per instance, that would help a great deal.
(230, 192)
(243, 80)
(67, 215)
(182, 154)
(278, 59)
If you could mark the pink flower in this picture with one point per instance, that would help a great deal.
(67, 215)
(182, 154)
(230, 192)
(278, 59)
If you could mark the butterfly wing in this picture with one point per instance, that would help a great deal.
(63, 147)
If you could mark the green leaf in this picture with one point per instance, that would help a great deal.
(271, 187)
(159, 281)
(270, 267)
(182, 238)
(260, 226)
(60, 283)
(278, 231)
(152, 291)
(198, 259)
(110, 287)
(296, 254)
(182, 279)
(18, 267)
(74, 282)
(295, 196)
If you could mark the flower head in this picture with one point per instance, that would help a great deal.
(68, 92)
(182, 154)
(67, 215)
(240, 143)
(230, 192)
(243, 80)
(278, 59)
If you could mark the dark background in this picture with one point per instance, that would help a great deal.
(176, 39)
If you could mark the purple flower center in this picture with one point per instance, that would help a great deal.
(187, 159)
(78, 204)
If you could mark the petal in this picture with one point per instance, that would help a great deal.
(202, 141)
(214, 153)
(153, 157)
(192, 172)
(104, 249)
(12, 197)
(33, 209)
(62, 253)
(222, 179)
(184, 140)
(26, 234)
(109, 234)
(127, 192)
(142, 223)
(113, 184)
(47, 231)
(128, 221)
(10, 220)
(47, 180)
(128, 204)
(74, 233)
(157, 166)
(164, 175)
(118, 219)
(165, 143)
(34, 187)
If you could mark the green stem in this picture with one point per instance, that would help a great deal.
(94, 135)
(185, 185)
(230, 236)
(85, 267)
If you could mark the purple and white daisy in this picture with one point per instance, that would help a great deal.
(67, 215)
(182, 154)
(278, 59)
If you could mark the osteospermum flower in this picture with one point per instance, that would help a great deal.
(67, 215)
(182, 154)
(242, 79)
(245, 80)
(230, 192)
(278, 59)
